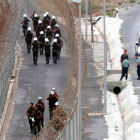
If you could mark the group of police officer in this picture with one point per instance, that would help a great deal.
(47, 36)
(36, 114)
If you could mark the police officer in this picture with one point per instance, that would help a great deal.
(55, 108)
(57, 30)
(28, 39)
(125, 65)
(35, 21)
(45, 21)
(49, 33)
(60, 42)
(55, 51)
(48, 16)
(56, 94)
(53, 22)
(52, 100)
(25, 24)
(40, 28)
(29, 113)
(47, 47)
(138, 65)
(41, 40)
(36, 117)
(35, 48)
(41, 107)
(32, 15)
(123, 55)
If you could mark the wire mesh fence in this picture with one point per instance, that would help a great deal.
(67, 15)
(10, 12)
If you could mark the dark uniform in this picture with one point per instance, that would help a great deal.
(35, 22)
(57, 31)
(28, 40)
(138, 67)
(56, 48)
(49, 34)
(42, 111)
(36, 124)
(59, 41)
(123, 57)
(45, 22)
(40, 28)
(52, 100)
(42, 41)
(53, 23)
(30, 111)
(25, 25)
(35, 51)
(47, 47)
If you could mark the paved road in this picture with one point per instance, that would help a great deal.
(129, 32)
(35, 81)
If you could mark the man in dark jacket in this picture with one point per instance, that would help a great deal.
(41, 40)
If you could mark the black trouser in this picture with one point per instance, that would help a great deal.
(24, 29)
(50, 111)
(55, 55)
(47, 55)
(41, 48)
(28, 45)
(138, 71)
(124, 73)
(59, 52)
(31, 124)
(35, 57)
(35, 26)
(36, 126)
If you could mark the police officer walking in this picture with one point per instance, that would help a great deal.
(41, 40)
(35, 21)
(36, 117)
(52, 100)
(55, 51)
(56, 94)
(138, 65)
(47, 47)
(57, 30)
(48, 16)
(45, 21)
(35, 48)
(53, 22)
(49, 33)
(40, 28)
(29, 113)
(28, 39)
(60, 42)
(41, 107)
(55, 108)
(25, 24)
(125, 65)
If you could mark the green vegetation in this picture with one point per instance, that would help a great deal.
(108, 1)
(139, 2)
(112, 12)
(120, 3)
(132, 1)
(116, 128)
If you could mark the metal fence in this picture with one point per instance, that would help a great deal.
(10, 13)
(64, 125)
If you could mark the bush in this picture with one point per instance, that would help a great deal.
(132, 1)
(120, 3)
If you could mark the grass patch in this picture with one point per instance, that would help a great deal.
(120, 3)
(132, 1)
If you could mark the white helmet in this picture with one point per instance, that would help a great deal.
(48, 27)
(35, 15)
(46, 13)
(52, 92)
(24, 15)
(29, 29)
(53, 88)
(39, 21)
(56, 25)
(57, 103)
(57, 35)
(55, 40)
(39, 98)
(41, 32)
(53, 17)
(35, 38)
(46, 40)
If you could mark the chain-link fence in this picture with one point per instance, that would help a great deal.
(10, 13)
(64, 124)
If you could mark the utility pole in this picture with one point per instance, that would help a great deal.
(86, 13)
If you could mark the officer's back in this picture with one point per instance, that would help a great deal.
(125, 63)
(35, 46)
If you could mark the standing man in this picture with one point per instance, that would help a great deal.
(138, 65)
(123, 55)
(47, 47)
(29, 113)
(56, 94)
(28, 39)
(55, 51)
(41, 107)
(52, 100)
(125, 65)
(45, 21)
(53, 22)
(35, 21)
(36, 116)
(41, 40)
(35, 48)
(49, 33)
